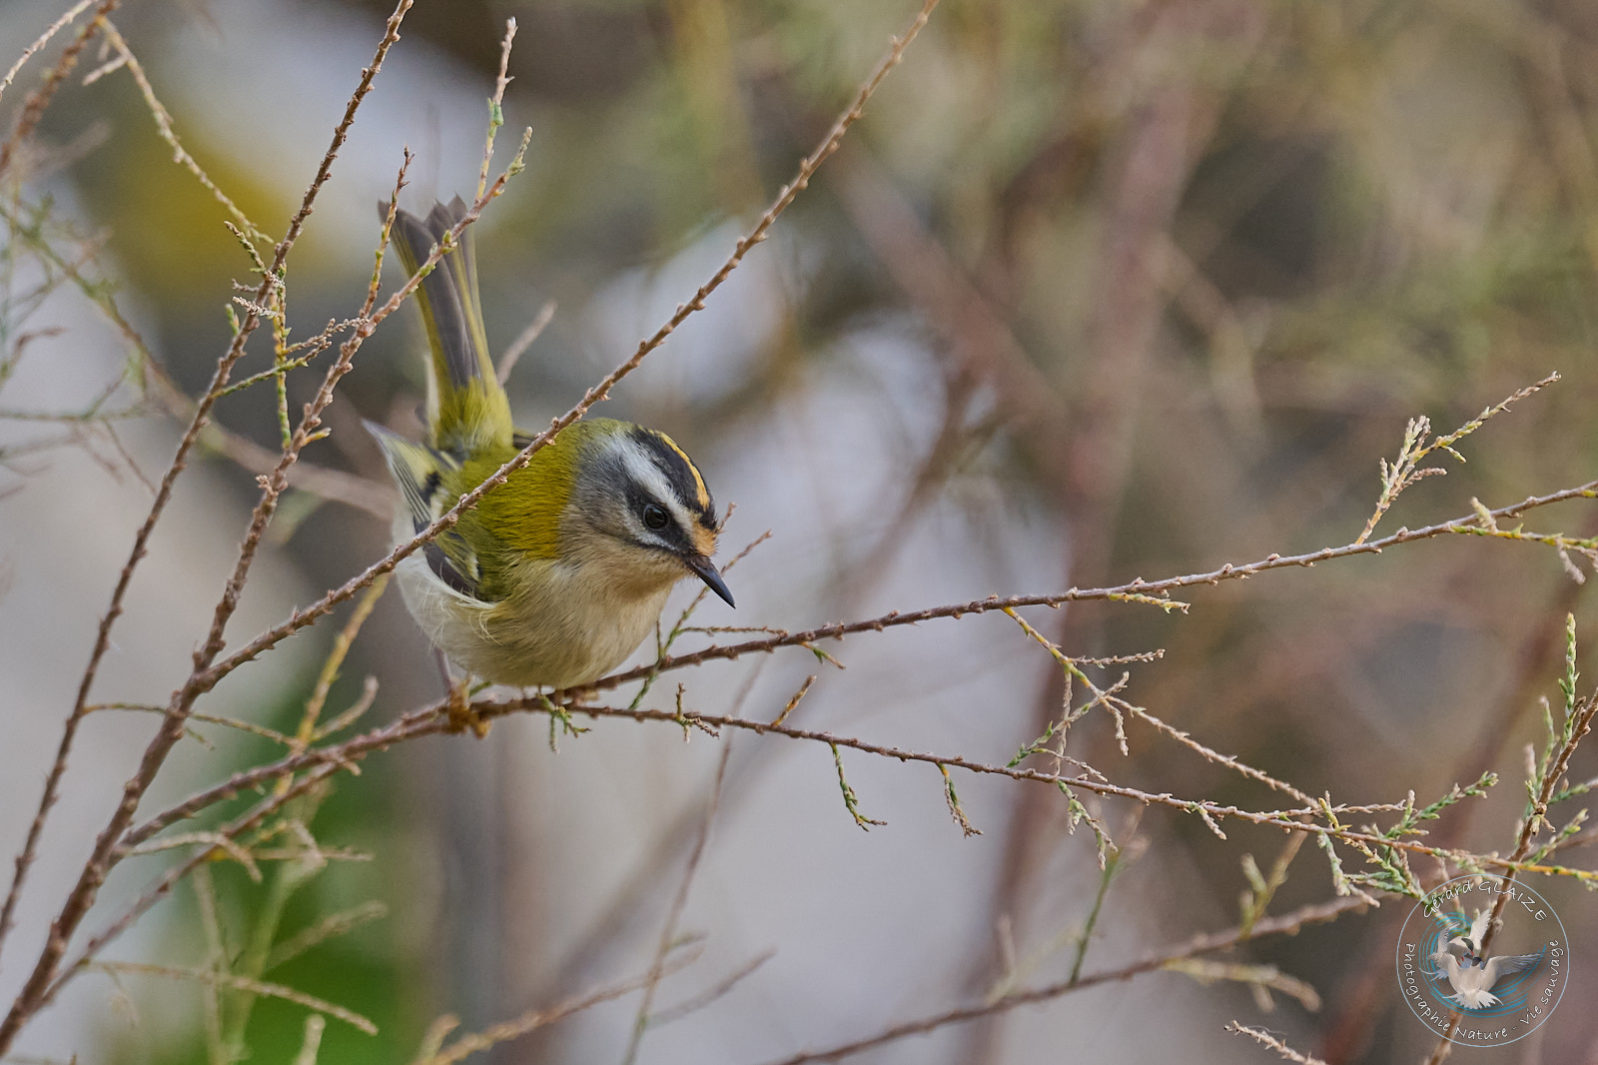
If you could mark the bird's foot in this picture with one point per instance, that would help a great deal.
(460, 712)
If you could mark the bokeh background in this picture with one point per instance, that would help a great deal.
(1096, 290)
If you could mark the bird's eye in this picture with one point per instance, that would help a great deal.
(655, 516)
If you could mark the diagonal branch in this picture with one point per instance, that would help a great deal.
(94, 871)
(1287, 924)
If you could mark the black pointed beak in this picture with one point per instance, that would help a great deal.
(707, 572)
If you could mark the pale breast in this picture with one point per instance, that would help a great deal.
(566, 629)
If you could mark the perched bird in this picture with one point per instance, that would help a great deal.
(558, 574)
(1474, 978)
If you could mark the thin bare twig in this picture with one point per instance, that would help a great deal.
(258, 987)
(87, 887)
(43, 39)
(1139, 590)
(425, 721)
(173, 876)
(1287, 924)
(1266, 1039)
(1406, 469)
(524, 340)
(34, 106)
(532, 1020)
(163, 125)
(330, 484)
(668, 932)
(496, 116)
(706, 997)
(433, 720)
(1581, 714)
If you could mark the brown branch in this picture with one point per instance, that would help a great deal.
(495, 104)
(330, 484)
(533, 1020)
(43, 39)
(435, 719)
(524, 340)
(1287, 924)
(710, 995)
(1582, 713)
(1266, 1039)
(1137, 590)
(163, 125)
(83, 893)
(258, 987)
(326, 761)
(170, 879)
(38, 100)
(668, 931)
(335, 486)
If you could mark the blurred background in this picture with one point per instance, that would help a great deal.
(1096, 290)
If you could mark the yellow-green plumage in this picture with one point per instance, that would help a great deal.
(467, 408)
(555, 576)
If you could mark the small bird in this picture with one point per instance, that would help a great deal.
(557, 575)
(1474, 978)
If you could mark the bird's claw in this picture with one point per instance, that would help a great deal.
(460, 712)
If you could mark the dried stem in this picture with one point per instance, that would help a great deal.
(163, 125)
(38, 100)
(43, 39)
(1149, 592)
(1287, 924)
(83, 893)
(434, 720)
(531, 1021)
(1579, 724)
(668, 932)
(1266, 1039)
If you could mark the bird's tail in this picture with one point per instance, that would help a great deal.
(466, 407)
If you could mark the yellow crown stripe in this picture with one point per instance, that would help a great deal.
(700, 490)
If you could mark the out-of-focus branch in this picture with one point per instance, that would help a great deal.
(43, 39)
(82, 895)
(1287, 924)
(1266, 1039)
(37, 101)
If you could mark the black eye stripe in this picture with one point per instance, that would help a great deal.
(679, 475)
(640, 501)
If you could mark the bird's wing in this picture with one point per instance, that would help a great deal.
(420, 472)
(1448, 965)
(1478, 927)
(1506, 965)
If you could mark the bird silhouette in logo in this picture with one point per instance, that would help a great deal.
(1473, 977)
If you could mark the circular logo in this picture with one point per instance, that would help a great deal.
(1500, 987)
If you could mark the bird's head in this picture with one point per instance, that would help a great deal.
(640, 502)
